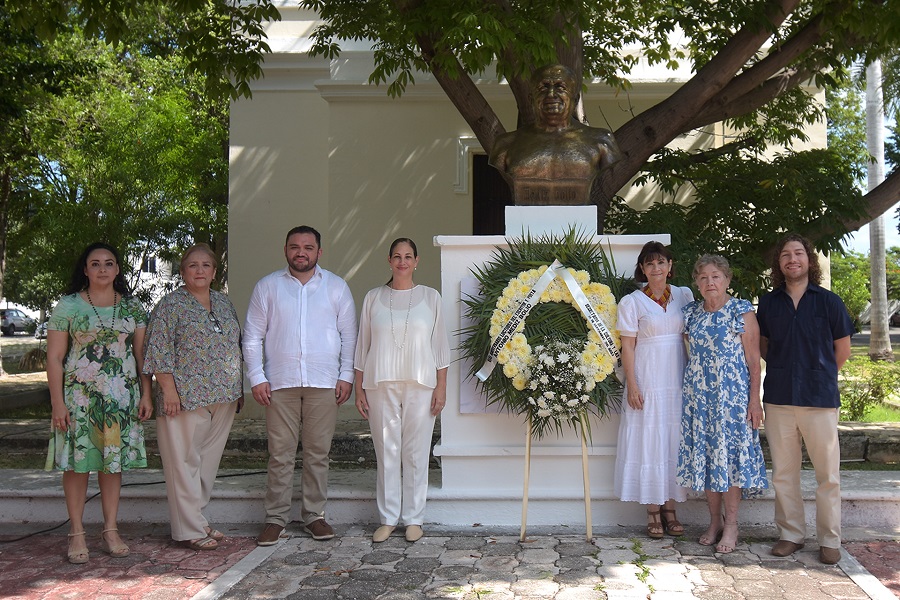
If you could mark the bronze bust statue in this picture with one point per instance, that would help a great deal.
(555, 160)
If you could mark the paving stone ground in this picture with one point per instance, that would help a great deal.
(445, 564)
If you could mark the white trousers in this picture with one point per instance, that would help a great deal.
(402, 426)
(817, 427)
(191, 446)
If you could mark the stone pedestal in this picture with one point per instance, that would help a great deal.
(482, 451)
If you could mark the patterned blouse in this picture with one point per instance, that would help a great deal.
(200, 348)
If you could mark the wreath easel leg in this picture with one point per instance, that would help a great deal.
(587, 481)
(527, 474)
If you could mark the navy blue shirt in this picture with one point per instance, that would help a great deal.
(801, 369)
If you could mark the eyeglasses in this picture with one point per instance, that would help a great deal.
(217, 327)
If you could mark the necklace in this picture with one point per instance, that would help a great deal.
(662, 300)
(115, 307)
(406, 325)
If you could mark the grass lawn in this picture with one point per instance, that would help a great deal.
(15, 347)
(856, 351)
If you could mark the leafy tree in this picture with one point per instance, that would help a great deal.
(223, 41)
(850, 281)
(133, 151)
(751, 61)
(740, 216)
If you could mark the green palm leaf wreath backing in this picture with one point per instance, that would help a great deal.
(546, 321)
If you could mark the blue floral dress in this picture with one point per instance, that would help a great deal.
(719, 448)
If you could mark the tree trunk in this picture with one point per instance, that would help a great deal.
(5, 189)
(879, 340)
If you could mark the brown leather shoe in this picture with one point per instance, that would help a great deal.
(829, 556)
(319, 530)
(785, 548)
(270, 535)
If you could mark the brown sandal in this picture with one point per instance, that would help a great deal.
(672, 526)
(655, 526)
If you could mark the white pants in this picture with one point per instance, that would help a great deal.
(785, 426)
(402, 427)
(191, 446)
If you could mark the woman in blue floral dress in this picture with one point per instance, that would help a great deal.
(95, 340)
(720, 452)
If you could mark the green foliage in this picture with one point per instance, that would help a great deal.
(850, 280)
(865, 384)
(550, 320)
(846, 114)
(743, 205)
(132, 151)
(222, 41)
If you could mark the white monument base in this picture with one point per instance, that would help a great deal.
(481, 451)
(545, 220)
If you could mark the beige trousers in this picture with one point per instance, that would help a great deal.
(307, 415)
(191, 446)
(817, 427)
(402, 427)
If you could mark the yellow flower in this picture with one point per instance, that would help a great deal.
(510, 370)
(519, 382)
(519, 341)
(503, 356)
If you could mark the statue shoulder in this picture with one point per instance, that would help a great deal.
(497, 157)
(605, 141)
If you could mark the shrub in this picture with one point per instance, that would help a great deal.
(865, 384)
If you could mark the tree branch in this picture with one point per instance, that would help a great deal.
(877, 202)
(462, 91)
(752, 100)
(654, 128)
(773, 63)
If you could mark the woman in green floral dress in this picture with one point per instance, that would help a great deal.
(95, 340)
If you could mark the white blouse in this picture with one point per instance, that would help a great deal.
(407, 344)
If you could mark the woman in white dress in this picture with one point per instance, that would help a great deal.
(402, 355)
(651, 327)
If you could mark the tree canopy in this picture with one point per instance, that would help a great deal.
(756, 66)
(120, 143)
(752, 63)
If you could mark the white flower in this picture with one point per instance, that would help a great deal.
(563, 357)
(549, 395)
(544, 413)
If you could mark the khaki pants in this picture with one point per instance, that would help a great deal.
(191, 446)
(785, 426)
(307, 415)
(402, 427)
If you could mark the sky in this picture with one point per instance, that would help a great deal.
(860, 240)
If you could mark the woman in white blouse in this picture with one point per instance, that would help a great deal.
(402, 355)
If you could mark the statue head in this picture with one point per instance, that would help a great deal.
(553, 93)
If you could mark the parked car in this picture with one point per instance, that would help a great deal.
(895, 319)
(13, 320)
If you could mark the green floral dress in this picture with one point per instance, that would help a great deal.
(101, 386)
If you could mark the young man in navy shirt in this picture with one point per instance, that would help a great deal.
(805, 339)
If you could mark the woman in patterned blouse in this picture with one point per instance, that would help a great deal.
(194, 351)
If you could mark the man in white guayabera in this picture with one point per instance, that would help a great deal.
(299, 341)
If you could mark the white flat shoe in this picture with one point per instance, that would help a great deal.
(382, 533)
(414, 533)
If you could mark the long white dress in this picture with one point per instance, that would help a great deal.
(647, 449)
